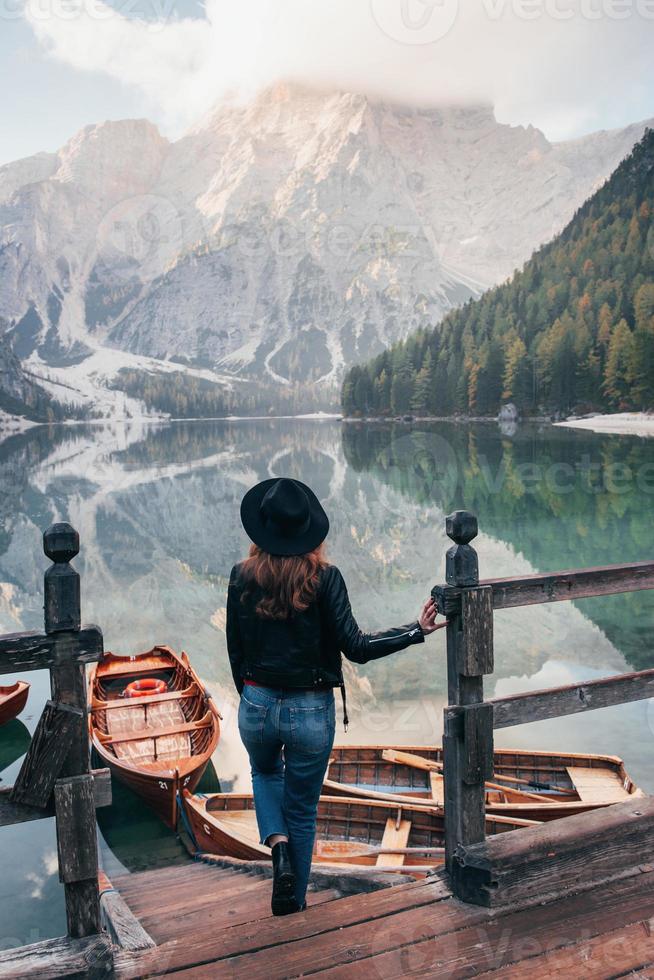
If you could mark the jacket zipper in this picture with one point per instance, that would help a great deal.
(399, 636)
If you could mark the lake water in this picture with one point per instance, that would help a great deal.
(157, 512)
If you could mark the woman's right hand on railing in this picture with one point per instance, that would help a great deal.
(427, 618)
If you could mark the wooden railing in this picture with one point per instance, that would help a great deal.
(55, 777)
(479, 868)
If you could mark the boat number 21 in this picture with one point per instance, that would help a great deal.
(162, 784)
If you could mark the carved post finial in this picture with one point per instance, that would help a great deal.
(461, 562)
(61, 581)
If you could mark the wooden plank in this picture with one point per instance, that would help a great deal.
(598, 785)
(12, 813)
(437, 788)
(351, 880)
(90, 958)
(146, 733)
(122, 926)
(411, 759)
(575, 583)
(48, 749)
(370, 911)
(557, 857)
(34, 651)
(477, 748)
(626, 950)
(76, 837)
(220, 915)
(434, 768)
(518, 709)
(395, 837)
(501, 938)
(475, 652)
(154, 904)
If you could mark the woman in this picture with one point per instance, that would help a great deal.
(288, 620)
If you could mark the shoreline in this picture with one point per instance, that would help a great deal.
(18, 425)
(619, 423)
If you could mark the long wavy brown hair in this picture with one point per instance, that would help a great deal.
(289, 583)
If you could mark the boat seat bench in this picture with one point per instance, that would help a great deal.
(146, 733)
(188, 692)
(597, 785)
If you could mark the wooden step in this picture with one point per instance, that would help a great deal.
(625, 951)
(177, 873)
(223, 913)
(174, 900)
(370, 909)
(508, 938)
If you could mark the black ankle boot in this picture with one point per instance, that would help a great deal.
(283, 892)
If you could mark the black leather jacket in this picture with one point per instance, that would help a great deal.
(304, 650)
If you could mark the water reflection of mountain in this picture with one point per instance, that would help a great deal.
(562, 498)
(157, 508)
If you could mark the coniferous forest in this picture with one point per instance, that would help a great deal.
(573, 331)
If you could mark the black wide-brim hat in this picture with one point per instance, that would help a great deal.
(284, 517)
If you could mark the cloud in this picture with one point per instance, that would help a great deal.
(561, 64)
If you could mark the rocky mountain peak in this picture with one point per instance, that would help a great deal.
(283, 238)
(128, 150)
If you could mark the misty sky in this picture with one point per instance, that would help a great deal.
(567, 66)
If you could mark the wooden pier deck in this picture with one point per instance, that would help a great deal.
(215, 922)
(210, 921)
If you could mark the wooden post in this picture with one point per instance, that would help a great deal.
(468, 736)
(76, 828)
(49, 748)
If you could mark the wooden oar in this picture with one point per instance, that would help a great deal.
(419, 762)
(535, 783)
(374, 851)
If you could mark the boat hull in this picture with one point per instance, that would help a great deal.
(362, 772)
(160, 791)
(13, 699)
(192, 721)
(348, 831)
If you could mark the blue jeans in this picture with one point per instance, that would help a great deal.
(289, 737)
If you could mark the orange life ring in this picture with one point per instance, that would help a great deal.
(145, 686)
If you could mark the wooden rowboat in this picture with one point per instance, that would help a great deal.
(13, 699)
(157, 744)
(534, 785)
(407, 837)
